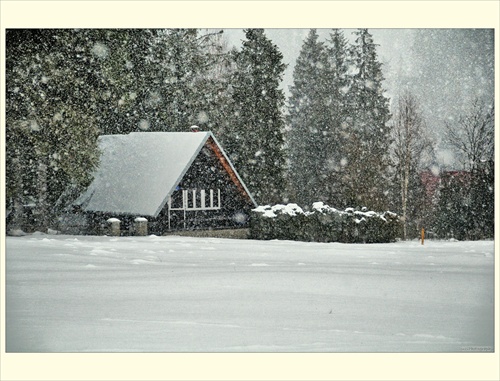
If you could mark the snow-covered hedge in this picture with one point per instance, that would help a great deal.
(323, 224)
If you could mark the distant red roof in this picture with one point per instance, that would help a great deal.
(432, 182)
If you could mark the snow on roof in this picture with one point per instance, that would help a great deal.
(138, 171)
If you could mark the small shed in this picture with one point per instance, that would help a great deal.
(176, 180)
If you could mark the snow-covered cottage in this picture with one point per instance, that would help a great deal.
(175, 180)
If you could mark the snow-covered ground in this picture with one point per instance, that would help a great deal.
(183, 294)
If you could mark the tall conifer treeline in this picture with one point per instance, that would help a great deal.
(338, 132)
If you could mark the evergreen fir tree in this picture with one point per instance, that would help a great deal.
(483, 201)
(256, 140)
(365, 173)
(309, 122)
(51, 135)
(337, 110)
(453, 210)
(156, 80)
(176, 97)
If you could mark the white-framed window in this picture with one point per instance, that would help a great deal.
(196, 199)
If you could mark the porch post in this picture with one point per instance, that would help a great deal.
(169, 205)
(184, 204)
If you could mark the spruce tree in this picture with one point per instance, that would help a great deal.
(255, 143)
(453, 209)
(483, 201)
(181, 68)
(155, 79)
(51, 132)
(309, 122)
(336, 77)
(368, 140)
(149, 78)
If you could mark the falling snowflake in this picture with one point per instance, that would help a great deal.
(144, 124)
(202, 117)
(34, 126)
(100, 50)
(435, 170)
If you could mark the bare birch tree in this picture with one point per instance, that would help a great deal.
(472, 212)
(473, 135)
(412, 148)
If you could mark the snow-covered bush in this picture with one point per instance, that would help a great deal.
(277, 222)
(323, 224)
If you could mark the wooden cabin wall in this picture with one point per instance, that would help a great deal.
(207, 173)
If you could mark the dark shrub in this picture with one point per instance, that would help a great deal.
(323, 224)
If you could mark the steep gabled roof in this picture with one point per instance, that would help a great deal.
(138, 171)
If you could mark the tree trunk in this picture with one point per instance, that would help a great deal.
(404, 196)
(42, 210)
(17, 220)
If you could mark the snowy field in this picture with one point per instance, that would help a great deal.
(183, 294)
